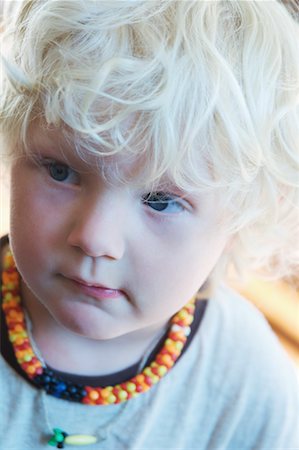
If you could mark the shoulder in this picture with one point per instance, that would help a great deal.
(242, 334)
(249, 368)
(240, 323)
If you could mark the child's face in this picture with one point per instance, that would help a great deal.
(70, 229)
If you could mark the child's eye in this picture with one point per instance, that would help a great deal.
(62, 173)
(163, 202)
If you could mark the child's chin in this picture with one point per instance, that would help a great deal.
(90, 327)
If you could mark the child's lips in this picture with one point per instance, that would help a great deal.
(96, 290)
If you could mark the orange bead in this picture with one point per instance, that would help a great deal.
(167, 361)
(171, 348)
(9, 277)
(19, 354)
(105, 393)
(140, 378)
(30, 370)
(93, 395)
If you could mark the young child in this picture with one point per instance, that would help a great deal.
(149, 143)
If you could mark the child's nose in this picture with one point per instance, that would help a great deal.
(98, 230)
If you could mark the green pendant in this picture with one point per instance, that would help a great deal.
(57, 440)
(60, 438)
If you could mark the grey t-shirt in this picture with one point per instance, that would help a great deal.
(233, 389)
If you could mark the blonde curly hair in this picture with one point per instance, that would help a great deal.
(213, 82)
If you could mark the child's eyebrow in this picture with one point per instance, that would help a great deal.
(166, 185)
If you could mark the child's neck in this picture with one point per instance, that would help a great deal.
(66, 351)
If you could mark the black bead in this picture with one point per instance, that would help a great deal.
(58, 387)
(46, 379)
(73, 390)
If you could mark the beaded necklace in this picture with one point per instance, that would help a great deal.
(44, 378)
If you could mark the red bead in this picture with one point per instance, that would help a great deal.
(155, 370)
(148, 381)
(164, 351)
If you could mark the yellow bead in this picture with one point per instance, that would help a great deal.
(179, 345)
(131, 387)
(123, 395)
(155, 379)
(80, 439)
(189, 320)
(19, 334)
(183, 314)
(162, 370)
(111, 399)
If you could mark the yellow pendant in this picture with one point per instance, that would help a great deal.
(80, 439)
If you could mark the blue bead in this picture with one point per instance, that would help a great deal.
(60, 387)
